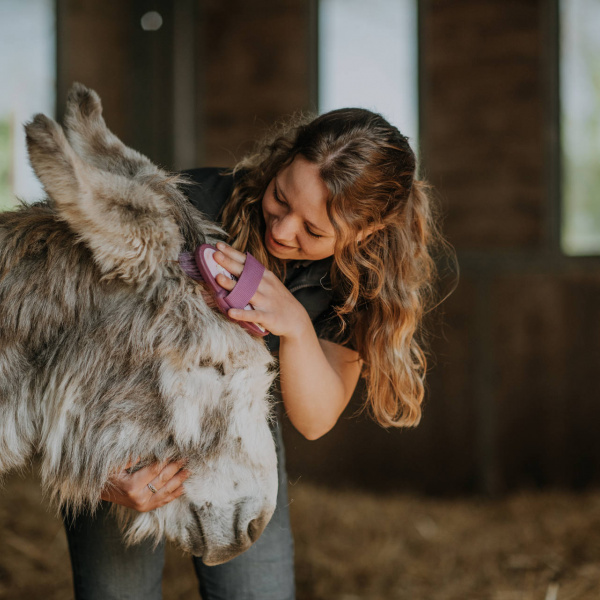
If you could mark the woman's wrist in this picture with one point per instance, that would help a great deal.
(301, 328)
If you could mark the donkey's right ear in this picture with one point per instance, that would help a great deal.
(91, 139)
(127, 225)
(52, 158)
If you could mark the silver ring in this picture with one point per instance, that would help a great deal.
(152, 488)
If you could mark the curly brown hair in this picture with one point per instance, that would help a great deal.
(386, 282)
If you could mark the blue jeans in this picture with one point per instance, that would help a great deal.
(104, 569)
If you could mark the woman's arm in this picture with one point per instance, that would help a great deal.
(317, 381)
(317, 377)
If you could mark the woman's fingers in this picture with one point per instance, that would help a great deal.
(172, 496)
(229, 284)
(166, 473)
(232, 260)
(157, 475)
(233, 265)
(168, 485)
(225, 282)
(173, 484)
(250, 316)
(231, 252)
(133, 489)
(148, 473)
(169, 491)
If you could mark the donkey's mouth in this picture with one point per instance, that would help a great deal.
(196, 538)
(242, 535)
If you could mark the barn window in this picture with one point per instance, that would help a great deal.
(580, 125)
(368, 57)
(28, 67)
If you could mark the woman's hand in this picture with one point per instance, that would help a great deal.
(275, 307)
(132, 490)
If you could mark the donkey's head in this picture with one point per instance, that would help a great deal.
(207, 399)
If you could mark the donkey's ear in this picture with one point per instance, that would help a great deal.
(128, 227)
(94, 142)
(51, 157)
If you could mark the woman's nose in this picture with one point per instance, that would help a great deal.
(284, 229)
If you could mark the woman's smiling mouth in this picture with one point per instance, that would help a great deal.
(276, 244)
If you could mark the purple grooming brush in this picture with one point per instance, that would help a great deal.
(201, 266)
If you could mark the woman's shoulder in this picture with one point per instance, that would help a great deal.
(208, 189)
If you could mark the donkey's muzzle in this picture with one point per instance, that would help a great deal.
(211, 538)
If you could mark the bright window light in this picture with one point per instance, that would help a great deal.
(27, 64)
(368, 58)
(580, 125)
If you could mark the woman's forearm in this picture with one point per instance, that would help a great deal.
(315, 386)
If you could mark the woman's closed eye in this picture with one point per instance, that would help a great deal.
(276, 194)
(279, 200)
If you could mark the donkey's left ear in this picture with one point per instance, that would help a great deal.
(128, 227)
(51, 157)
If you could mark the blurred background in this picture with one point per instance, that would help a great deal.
(501, 99)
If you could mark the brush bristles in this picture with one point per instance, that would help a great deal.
(188, 264)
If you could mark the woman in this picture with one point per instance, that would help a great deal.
(332, 208)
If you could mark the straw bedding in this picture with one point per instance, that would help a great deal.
(352, 545)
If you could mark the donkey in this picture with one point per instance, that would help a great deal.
(109, 352)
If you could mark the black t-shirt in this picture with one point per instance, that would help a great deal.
(309, 281)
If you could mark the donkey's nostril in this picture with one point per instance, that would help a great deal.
(254, 529)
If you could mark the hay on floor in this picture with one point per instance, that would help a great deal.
(357, 546)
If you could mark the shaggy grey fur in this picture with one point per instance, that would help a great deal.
(109, 352)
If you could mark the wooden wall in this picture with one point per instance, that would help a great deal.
(256, 71)
(148, 80)
(201, 89)
(512, 388)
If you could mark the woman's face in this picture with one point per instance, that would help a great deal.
(294, 208)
